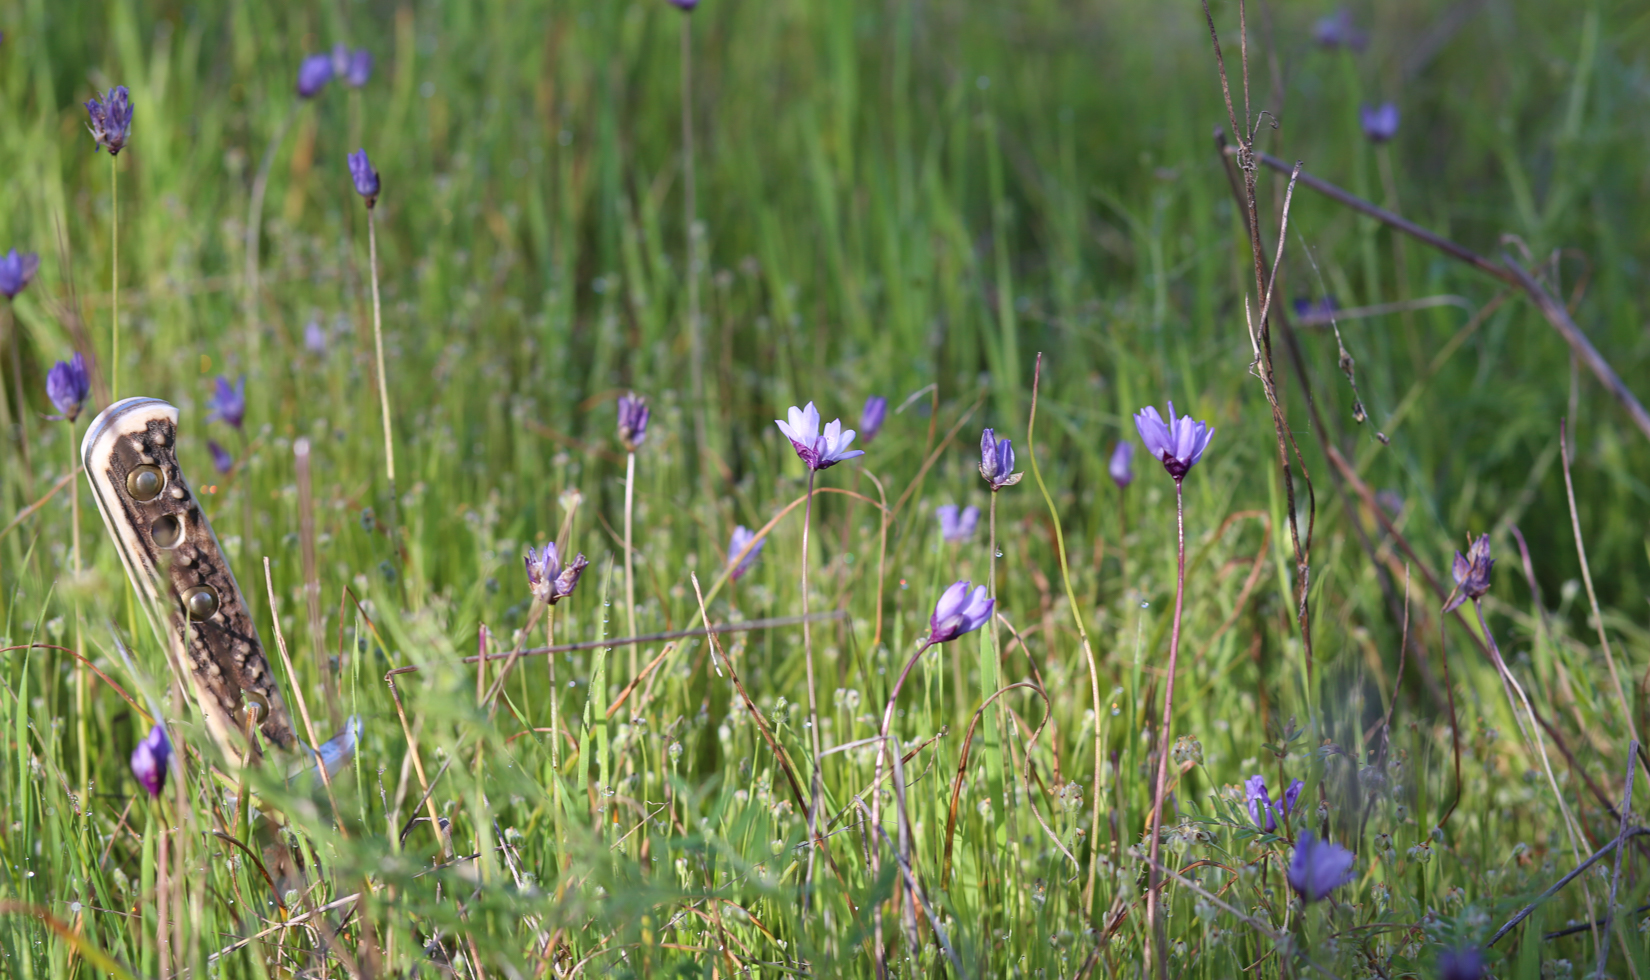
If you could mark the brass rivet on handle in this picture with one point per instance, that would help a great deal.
(145, 483)
(201, 603)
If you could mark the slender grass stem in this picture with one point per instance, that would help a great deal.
(378, 350)
(254, 231)
(629, 552)
(690, 217)
(1153, 919)
(816, 783)
(114, 287)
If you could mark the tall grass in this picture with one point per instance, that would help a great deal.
(893, 196)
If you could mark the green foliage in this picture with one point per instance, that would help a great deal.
(891, 196)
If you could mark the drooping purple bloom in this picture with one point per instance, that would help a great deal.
(957, 525)
(818, 450)
(111, 120)
(1319, 867)
(549, 581)
(1380, 122)
(359, 71)
(872, 417)
(1121, 466)
(315, 338)
(1338, 30)
(67, 385)
(742, 537)
(365, 177)
(1177, 443)
(150, 760)
(959, 611)
(1471, 573)
(633, 416)
(229, 402)
(221, 460)
(1465, 963)
(1313, 310)
(314, 72)
(685, 6)
(353, 67)
(16, 270)
(997, 461)
(1262, 810)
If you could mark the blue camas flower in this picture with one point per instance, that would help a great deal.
(957, 525)
(1261, 808)
(997, 461)
(742, 537)
(1318, 868)
(229, 403)
(314, 72)
(959, 611)
(633, 416)
(1121, 466)
(1178, 443)
(221, 460)
(1380, 122)
(1471, 573)
(16, 271)
(1465, 963)
(111, 120)
(150, 759)
(549, 581)
(67, 385)
(817, 449)
(354, 68)
(365, 177)
(872, 417)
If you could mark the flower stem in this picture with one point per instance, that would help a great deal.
(378, 346)
(1153, 923)
(876, 786)
(690, 214)
(629, 576)
(813, 702)
(555, 692)
(114, 305)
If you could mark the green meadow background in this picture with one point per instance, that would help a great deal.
(892, 198)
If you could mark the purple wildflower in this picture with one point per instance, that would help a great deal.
(229, 403)
(150, 759)
(1319, 867)
(685, 6)
(315, 338)
(111, 120)
(1178, 443)
(1338, 31)
(1262, 810)
(997, 461)
(67, 385)
(359, 70)
(1471, 573)
(221, 460)
(1465, 963)
(1121, 466)
(1380, 122)
(314, 72)
(872, 417)
(1313, 310)
(742, 537)
(633, 416)
(16, 270)
(959, 611)
(353, 67)
(818, 450)
(365, 177)
(549, 581)
(957, 525)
